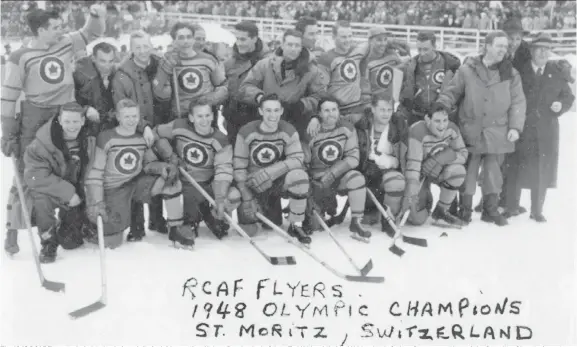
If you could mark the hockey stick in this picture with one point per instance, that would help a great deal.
(50, 285)
(307, 251)
(175, 91)
(393, 248)
(366, 269)
(286, 260)
(338, 219)
(385, 211)
(86, 310)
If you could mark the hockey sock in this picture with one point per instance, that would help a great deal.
(174, 210)
(297, 210)
(446, 198)
(357, 200)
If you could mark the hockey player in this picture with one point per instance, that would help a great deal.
(268, 162)
(377, 68)
(342, 66)
(436, 151)
(309, 27)
(197, 74)
(43, 73)
(425, 76)
(334, 154)
(382, 143)
(206, 155)
(54, 166)
(125, 169)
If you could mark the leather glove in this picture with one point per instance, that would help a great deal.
(259, 181)
(247, 212)
(176, 161)
(94, 210)
(171, 174)
(407, 204)
(433, 165)
(11, 147)
(327, 180)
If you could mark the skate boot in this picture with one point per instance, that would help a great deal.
(491, 210)
(479, 207)
(358, 233)
(310, 225)
(11, 242)
(445, 219)
(49, 246)
(298, 232)
(217, 226)
(156, 221)
(158, 225)
(136, 232)
(181, 236)
(466, 208)
(371, 217)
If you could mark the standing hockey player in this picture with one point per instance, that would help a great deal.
(43, 72)
(268, 162)
(125, 169)
(436, 151)
(334, 154)
(206, 155)
(197, 74)
(382, 144)
(54, 167)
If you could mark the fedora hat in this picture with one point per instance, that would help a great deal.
(513, 26)
(541, 39)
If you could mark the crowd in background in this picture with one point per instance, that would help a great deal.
(125, 16)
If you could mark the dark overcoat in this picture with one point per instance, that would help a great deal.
(538, 146)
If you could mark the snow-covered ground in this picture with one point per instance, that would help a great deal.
(531, 266)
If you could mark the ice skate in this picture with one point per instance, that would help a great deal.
(218, 227)
(135, 235)
(11, 242)
(298, 232)
(159, 226)
(357, 231)
(445, 219)
(371, 217)
(48, 253)
(181, 236)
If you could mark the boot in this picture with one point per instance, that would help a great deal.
(371, 217)
(11, 242)
(454, 208)
(156, 220)
(358, 232)
(298, 232)
(466, 208)
(491, 210)
(49, 246)
(136, 232)
(218, 227)
(444, 218)
(181, 234)
(479, 207)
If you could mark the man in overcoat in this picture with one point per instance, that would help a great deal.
(548, 95)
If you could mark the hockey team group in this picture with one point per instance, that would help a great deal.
(96, 138)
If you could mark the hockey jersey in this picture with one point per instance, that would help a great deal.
(379, 74)
(336, 150)
(280, 151)
(343, 71)
(201, 75)
(118, 159)
(421, 142)
(207, 157)
(45, 76)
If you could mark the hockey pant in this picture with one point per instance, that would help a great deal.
(193, 198)
(388, 186)
(451, 178)
(351, 184)
(32, 118)
(294, 186)
(140, 189)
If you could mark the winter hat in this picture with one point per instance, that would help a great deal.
(513, 26)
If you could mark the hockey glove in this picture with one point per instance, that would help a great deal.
(157, 168)
(171, 174)
(407, 204)
(11, 147)
(169, 61)
(10, 136)
(247, 212)
(327, 180)
(259, 181)
(433, 165)
(220, 207)
(95, 210)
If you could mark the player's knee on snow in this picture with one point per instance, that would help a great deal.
(352, 180)
(423, 207)
(296, 184)
(233, 199)
(453, 175)
(393, 183)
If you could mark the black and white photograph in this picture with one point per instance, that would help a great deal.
(288, 173)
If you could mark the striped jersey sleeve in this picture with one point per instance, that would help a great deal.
(223, 167)
(458, 144)
(414, 157)
(13, 84)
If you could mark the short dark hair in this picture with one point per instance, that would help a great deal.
(340, 24)
(39, 18)
(126, 103)
(269, 97)
(328, 98)
(424, 36)
(292, 32)
(181, 25)
(304, 22)
(494, 35)
(103, 47)
(248, 27)
(200, 101)
(376, 97)
(73, 107)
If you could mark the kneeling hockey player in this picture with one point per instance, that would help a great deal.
(205, 153)
(334, 153)
(436, 151)
(268, 162)
(382, 143)
(54, 166)
(125, 169)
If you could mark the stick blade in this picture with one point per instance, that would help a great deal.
(365, 279)
(84, 311)
(367, 268)
(396, 250)
(54, 286)
(290, 260)
(415, 241)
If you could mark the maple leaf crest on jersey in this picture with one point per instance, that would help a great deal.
(196, 153)
(265, 153)
(330, 150)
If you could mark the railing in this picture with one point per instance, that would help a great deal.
(447, 38)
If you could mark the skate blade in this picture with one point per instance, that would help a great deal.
(357, 237)
(177, 245)
(441, 224)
